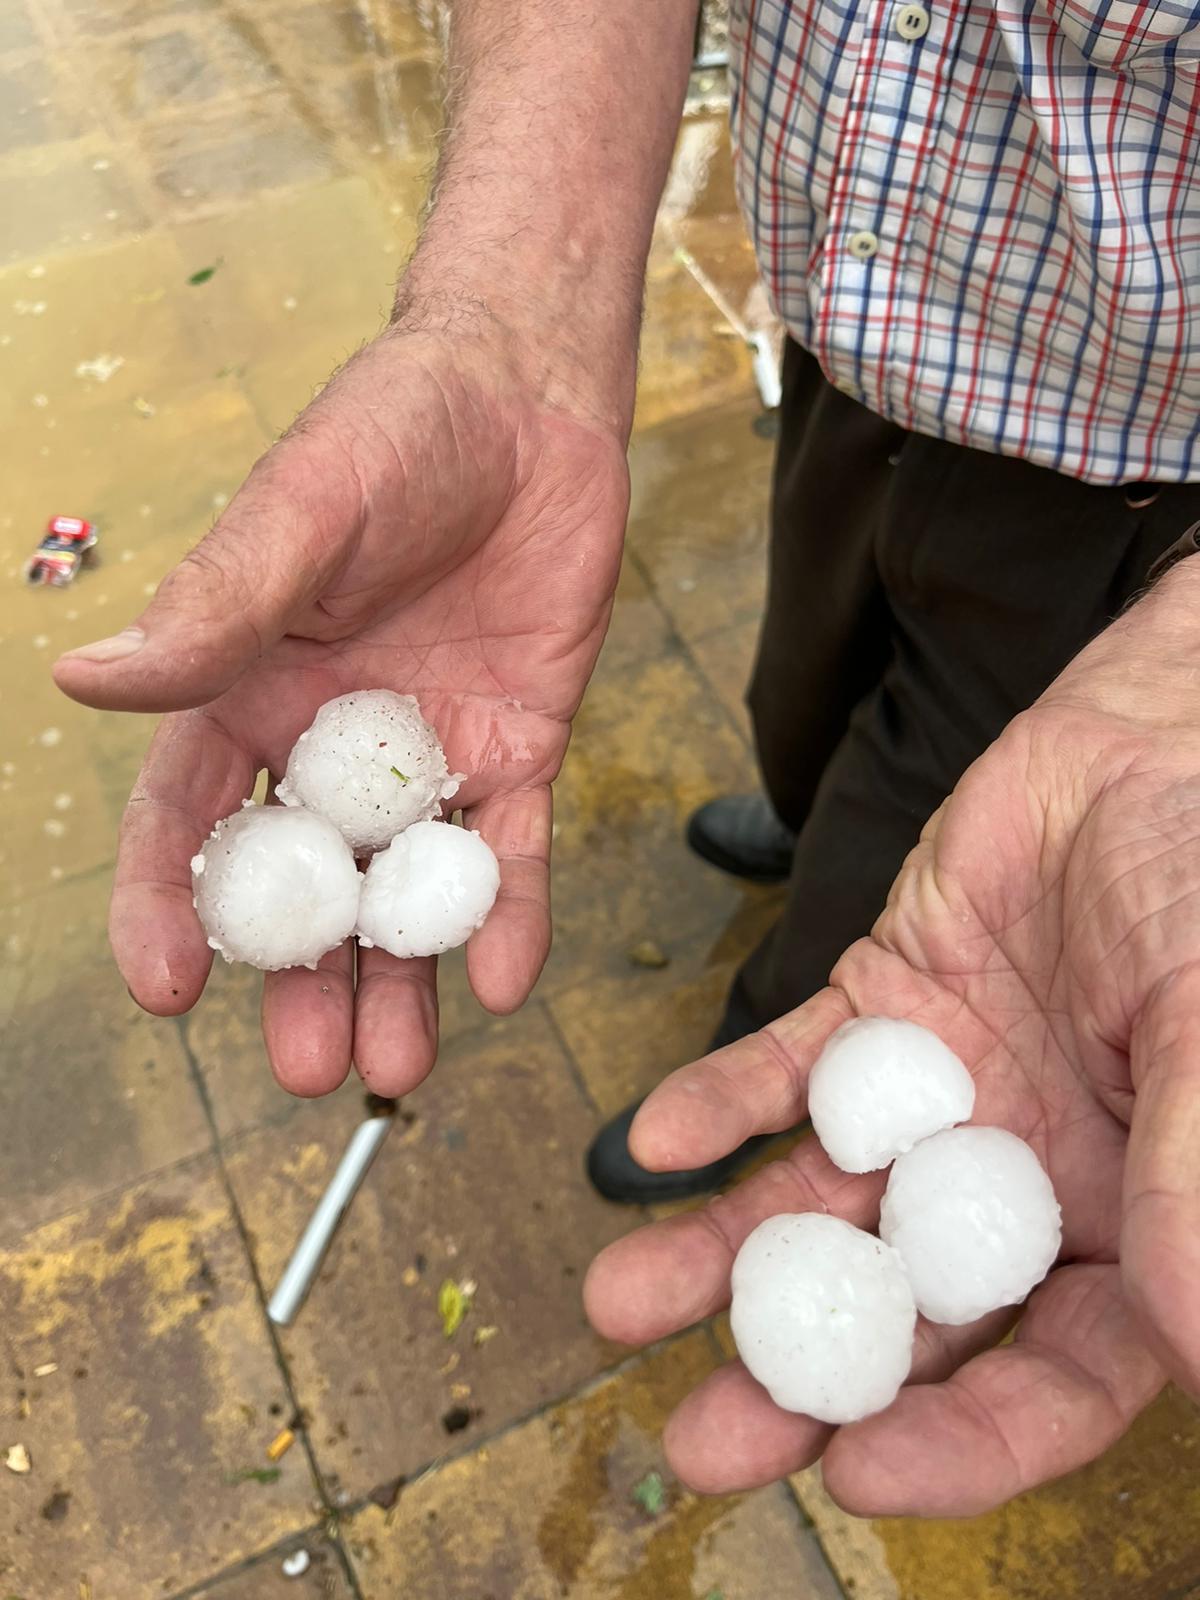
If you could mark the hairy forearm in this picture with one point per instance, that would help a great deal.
(561, 122)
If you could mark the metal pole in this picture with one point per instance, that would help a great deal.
(301, 1270)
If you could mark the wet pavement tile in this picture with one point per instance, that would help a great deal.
(231, 153)
(726, 657)
(305, 1568)
(1125, 1528)
(17, 31)
(579, 1503)
(301, 283)
(698, 518)
(61, 196)
(649, 746)
(95, 1094)
(628, 1030)
(480, 1183)
(156, 74)
(158, 1395)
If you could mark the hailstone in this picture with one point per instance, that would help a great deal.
(822, 1316)
(973, 1216)
(371, 764)
(879, 1086)
(428, 891)
(275, 887)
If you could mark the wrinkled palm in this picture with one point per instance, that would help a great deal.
(1048, 928)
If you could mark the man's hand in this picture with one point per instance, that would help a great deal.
(444, 520)
(429, 525)
(1048, 928)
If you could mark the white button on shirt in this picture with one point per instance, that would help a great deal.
(912, 23)
(863, 244)
(1031, 170)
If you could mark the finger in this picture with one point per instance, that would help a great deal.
(506, 956)
(1160, 1231)
(758, 1085)
(273, 552)
(308, 1021)
(193, 774)
(729, 1435)
(670, 1274)
(395, 1021)
(1068, 1386)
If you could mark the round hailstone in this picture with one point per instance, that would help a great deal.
(428, 891)
(822, 1316)
(880, 1086)
(275, 887)
(974, 1219)
(371, 764)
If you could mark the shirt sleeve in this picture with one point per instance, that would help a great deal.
(1119, 35)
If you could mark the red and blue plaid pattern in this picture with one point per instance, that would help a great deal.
(1032, 174)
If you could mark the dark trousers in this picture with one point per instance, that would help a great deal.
(920, 595)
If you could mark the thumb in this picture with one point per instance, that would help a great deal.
(1160, 1230)
(282, 539)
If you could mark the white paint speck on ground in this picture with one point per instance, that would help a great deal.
(50, 737)
(55, 874)
(54, 827)
(40, 641)
(63, 802)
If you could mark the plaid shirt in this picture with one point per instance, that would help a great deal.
(984, 218)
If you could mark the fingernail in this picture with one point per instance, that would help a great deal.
(125, 643)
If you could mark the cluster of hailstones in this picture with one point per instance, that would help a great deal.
(279, 886)
(824, 1314)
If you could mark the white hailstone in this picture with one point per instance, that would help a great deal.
(822, 1316)
(371, 764)
(275, 887)
(881, 1085)
(428, 891)
(973, 1216)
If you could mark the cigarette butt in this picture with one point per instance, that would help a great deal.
(280, 1444)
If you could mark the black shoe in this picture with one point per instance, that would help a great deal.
(741, 834)
(617, 1176)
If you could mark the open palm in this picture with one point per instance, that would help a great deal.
(1048, 928)
(431, 526)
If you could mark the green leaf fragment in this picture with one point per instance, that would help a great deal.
(453, 1304)
(651, 1494)
(204, 274)
(255, 1475)
(399, 774)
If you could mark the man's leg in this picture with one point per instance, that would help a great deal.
(825, 638)
(825, 642)
(996, 572)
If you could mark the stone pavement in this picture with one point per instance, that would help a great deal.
(153, 1178)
